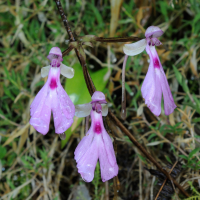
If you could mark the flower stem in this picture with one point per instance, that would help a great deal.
(64, 19)
(88, 80)
(66, 51)
(123, 110)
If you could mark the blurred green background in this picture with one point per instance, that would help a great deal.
(33, 166)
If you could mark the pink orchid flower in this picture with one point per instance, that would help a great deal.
(155, 83)
(96, 144)
(52, 97)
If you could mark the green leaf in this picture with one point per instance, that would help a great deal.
(185, 86)
(77, 90)
(26, 163)
(10, 159)
(168, 159)
(2, 152)
(142, 158)
(193, 152)
(196, 120)
(184, 157)
(198, 163)
(163, 9)
(96, 13)
(128, 89)
(181, 80)
(196, 100)
(178, 75)
(151, 136)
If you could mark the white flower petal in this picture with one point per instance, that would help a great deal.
(135, 48)
(83, 110)
(66, 71)
(45, 71)
(104, 109)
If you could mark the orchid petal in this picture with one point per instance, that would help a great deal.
(153, 31)
(66, 71)
(45, 71)
(98, 96)
(104, 109)
(55, 51)
(83, 110)
(134, 48)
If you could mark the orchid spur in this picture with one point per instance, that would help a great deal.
(96, 144)
(52, 97)
(155, 83)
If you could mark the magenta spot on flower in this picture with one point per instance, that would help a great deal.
(97, 128)
(156, 63)
(53, 84)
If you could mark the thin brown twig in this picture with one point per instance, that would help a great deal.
(118, 39)
(66, 51)
(87, 77)
(92, 89)
(64, 19)
(166, 180)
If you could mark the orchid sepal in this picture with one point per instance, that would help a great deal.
(135, 48)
